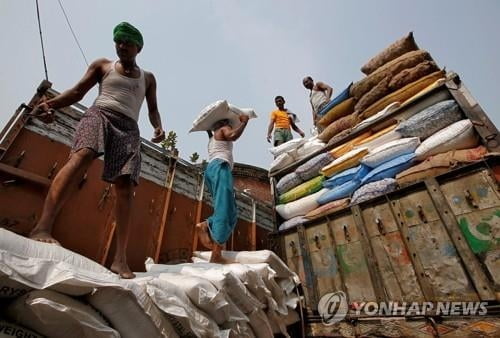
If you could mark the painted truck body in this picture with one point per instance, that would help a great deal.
(437, 239)
(169, 200)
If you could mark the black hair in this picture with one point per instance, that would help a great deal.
(279, 97)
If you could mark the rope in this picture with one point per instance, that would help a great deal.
(72, 32)
(41, 41)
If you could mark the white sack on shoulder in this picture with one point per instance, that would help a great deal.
(220, 110)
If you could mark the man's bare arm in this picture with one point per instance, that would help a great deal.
(234, 134)
(91, 77)
(153, 113)
(296, 128)
(326, 88)
(270, 130)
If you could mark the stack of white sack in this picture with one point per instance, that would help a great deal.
(42, 280)
(277, 279)
(294, 150)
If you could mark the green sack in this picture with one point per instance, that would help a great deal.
(304, 189)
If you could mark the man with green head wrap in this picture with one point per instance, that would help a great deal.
(108, 127)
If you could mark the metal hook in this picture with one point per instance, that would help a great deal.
(421, 214)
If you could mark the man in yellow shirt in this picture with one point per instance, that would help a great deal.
(281, 121)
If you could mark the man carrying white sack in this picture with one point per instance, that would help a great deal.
(217, 229)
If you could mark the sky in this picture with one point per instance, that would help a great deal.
(246, 52)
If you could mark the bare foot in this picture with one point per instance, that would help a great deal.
(216, 256)
(44, 237)
(204, 235)
(122, 269)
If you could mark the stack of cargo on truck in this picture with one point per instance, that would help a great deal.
(400, 205)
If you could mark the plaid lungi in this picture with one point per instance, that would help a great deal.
(116, 136)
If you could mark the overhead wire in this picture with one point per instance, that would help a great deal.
(41, 41)
(73, 32)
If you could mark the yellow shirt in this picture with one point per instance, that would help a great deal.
(280, 119)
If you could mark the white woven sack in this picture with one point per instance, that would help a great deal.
(220, 110)
(381, 140)
(239, 329)
(187, 319)
(381, 114)
(299, 207)
(41, 265)
(56, 315)
(131, 311)
(287, 146)
(390, 151)
(459, 135)
(311, 146)
(206, 297)
(9, 330)
(281, 161)
(260, 324)
(253, 257)
(9, 288)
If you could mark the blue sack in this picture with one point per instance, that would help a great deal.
(357, 173)
(389, 169)
(344, 95)
(342, 191)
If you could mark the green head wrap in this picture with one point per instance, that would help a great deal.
(128, 33)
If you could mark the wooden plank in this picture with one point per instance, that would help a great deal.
(310, 281)
(25, 175)
(373, 268)
(410, 246)
(166, 205)
(323, 259)
(472, 192)
(9, 134)
(199, 206)
(481, 230)
(470, 261)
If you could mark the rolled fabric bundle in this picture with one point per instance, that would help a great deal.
(380, 115)
(378, 91)
(390, 69)
(299, 207)
(374, 189)
(342, 109)
(431, 120)
(459, 135)
(441, 163)
(302, 190)
(356, 173)
(338, 126)
(390, 150)
(327, 209)
(402, 94)
(349, 145)
(339, 192)
(412, 74)
(311, 168)
(396, 49)
(346, 161)
(292, 223)
(389, 169)
(288, 182)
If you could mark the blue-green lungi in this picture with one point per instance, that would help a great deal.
(219, 180)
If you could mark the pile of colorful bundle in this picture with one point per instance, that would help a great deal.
(297, 190)
(368, 165)
(396, 74)
(293, 151)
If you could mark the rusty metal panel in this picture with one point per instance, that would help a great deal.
(352, 261)
(472, 192)
(323, 260)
